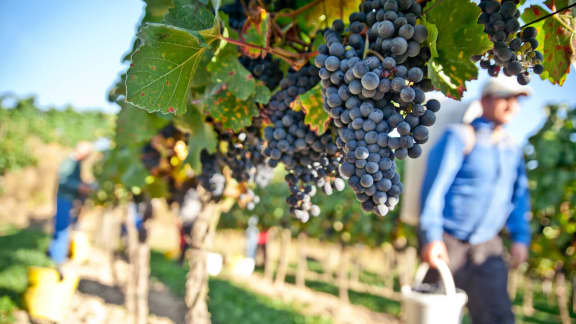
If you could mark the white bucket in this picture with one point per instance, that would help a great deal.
(429, 308)
(214, 262)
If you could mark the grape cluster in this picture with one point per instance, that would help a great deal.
(514, 50)
(236, 15)
(310, 160)
(264, 69)
(377, 99)
(244, 155)
(150, 157)
(211, 177)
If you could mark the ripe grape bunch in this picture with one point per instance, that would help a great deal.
(211, 177)
(244, 155)
(264, 69)
(310, 160)
(514, 50)
(376, 98)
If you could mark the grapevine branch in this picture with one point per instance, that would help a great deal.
(299, 10)
(549, 15)
(289, 57)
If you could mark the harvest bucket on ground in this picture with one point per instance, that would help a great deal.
(49, 297)
(433, 307)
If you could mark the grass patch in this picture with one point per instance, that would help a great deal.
(230, 303)
(19, 249)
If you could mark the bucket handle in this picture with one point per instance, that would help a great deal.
(445, 276)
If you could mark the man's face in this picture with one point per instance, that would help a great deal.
(500, 110)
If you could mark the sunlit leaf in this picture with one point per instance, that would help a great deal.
(311, 103)
(458, 37)
(554, 43)
(163, 67)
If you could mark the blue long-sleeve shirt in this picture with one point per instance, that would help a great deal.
(69, 179)
(473, 196)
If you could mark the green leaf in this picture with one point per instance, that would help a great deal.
(163, 67)
(227, 70)
(232, 112)
(202, 136)
(554, 43)
(262, 93)
(135, 126)
(458, 38)
(190, 14)
(311, 103)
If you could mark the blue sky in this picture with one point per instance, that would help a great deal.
(65, 51)
(69, 52)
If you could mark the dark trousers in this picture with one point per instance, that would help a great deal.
(480, 270)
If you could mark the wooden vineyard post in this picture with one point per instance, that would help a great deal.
(142, 263)
(302, 266)
(343, 274)
(132, 251)
(137, 283)
(390, 268)
(528, 302)
(285, 237)
(269, 262)
(562, 297)
(355, 269)
(201, 237)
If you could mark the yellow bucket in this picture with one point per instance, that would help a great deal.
(79, 247)
(172, 254)
(48, 297)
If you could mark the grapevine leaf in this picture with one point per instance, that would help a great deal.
(232, 112)
(261, 93)
(202, 136)
(226, 69)
(135, 126)
(556, 4)
(163, 67)
(127, 169)
(458, 38)
(256, 32)
(311, 103)
(190, 14)
(554, 43)
(325, 12)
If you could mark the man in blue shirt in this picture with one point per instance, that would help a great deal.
(475, 185)
(71, 188)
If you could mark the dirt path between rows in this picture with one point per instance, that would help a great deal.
(100, 299)
(317, 303)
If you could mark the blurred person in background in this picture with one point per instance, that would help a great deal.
(475, 185)
(72, 191)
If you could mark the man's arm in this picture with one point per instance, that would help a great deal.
(443, 164)
(518, 223)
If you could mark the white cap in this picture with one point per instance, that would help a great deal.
(504, 87)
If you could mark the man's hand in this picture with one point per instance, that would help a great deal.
(435, 251)
(85, 189)
(518, 254)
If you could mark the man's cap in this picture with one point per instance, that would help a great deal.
(505, 87)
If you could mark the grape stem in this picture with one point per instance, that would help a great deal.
(550, 15)
(369, 51)
(289, 57)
